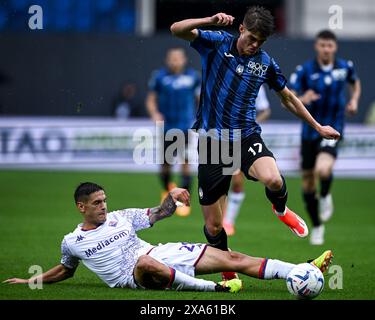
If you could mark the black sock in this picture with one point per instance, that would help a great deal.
(278, 198)
(311, 205)
(220, 241)
(325, 185)
(186, 182)
(165, 178)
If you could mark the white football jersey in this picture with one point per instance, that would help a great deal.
(261, 102)
(112, 249)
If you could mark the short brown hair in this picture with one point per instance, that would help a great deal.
(326, 35)
(259, 19)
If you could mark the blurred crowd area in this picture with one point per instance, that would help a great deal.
(95, 57)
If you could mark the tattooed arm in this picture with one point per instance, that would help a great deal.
(168, 206)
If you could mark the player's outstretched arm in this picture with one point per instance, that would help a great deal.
(293, 104)
(152, 106)
(58, 273)
(168, 206)
(352, 106)
(187, 29)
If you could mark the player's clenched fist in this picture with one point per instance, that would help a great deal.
(222, 19)
(329, 133)
(182, 195)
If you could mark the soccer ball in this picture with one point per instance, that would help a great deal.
(305, 281)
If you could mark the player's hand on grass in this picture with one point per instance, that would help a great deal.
(352, 107)
(16, 280)
(181, 195)
(222, 19)
(329, 133)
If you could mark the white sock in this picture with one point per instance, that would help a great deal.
(280, 214)
(276, 269)
(235, 200)
(183, 281)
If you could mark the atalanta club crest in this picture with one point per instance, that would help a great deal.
(240, 69)
(112, 223)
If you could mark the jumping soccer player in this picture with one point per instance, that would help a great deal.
(233, 69)
(172, 98)
(321, 84)
(236, 196)
(108, 245)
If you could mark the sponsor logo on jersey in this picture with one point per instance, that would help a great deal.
(257, 69)
(80, 238)
(339, 74)
(105, 243)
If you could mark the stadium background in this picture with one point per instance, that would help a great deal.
(58, 87)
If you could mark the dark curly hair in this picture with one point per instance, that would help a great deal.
(260, 20)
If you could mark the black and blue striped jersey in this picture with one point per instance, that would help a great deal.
(329, 83)
(230, 84)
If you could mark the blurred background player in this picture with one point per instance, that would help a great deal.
(122, 105)
(237, 195)
(172, 98)
(320, 82)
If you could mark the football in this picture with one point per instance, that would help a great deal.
(305, 281)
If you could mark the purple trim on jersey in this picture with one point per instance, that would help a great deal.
(171, 277)
(84, 230)
(200, 256)
(149, 251)
(262, 268)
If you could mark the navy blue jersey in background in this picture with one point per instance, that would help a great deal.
(230, 83)
(176, 94)
(330, 85)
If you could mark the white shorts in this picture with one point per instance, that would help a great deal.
(181, 256)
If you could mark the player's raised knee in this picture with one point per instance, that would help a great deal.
(323, 172)
(273, 182)
(214, 228)
(147, 264)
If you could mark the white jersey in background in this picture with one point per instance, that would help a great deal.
(112, 249)
(261, 102)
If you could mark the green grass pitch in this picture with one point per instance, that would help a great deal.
(37, 210)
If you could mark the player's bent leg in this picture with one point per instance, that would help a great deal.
(311, 204)
(265, 170)
(324, 167)
(213, 218)
(151, 274)
(214, 261)
(235, 199)
(308, 181)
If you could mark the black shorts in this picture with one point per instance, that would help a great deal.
(215, 173)
(311, 148)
